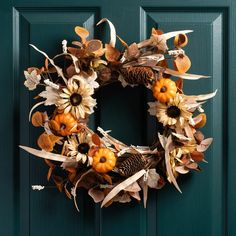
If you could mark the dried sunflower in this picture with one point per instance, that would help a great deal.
(173, 113)
(76, 98)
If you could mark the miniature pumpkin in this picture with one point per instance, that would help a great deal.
(164, 89)
(104, 160)
(64, 124)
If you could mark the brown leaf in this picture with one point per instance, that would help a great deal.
(49, 163)
(82, 32)
(58, 181)
(199, 136)
(45, 143)
(203, 146)
(95, 46)
(181, 40)
(96, 139)
(192, 165)
(179, 84)
(108, 178)
(182, 63)
(132, 51)
(92, 151)
(37, 119)
(197, 156)
(112, 54)
(122, 41)
(97, 195)
(50, 170)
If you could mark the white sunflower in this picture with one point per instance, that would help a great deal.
(173, 113)
(76, 98)
(78, 147)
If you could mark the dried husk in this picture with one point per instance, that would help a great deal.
(82, 33)
(45, 143)
(200, 121)
(112, 54)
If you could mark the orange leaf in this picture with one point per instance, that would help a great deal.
(45, 143)
(37, 119)
(67, 192)
(82, 32)
(96, 139)
(49, 173)
(49, 163)
(108, 178)
(182, 63)
(179, 84)
(112, 54)
(197, 156)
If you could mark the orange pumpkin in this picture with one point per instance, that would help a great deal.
(64, 124)
(104, 160)
(164, 89)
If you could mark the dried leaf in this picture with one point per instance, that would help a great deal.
(181, 169)
(122, 186)
(82, 33)
(182, 63)
(152, 179)
(67, 192)
(45, 143)
(49, 163)
(200, 121)
(197, 156)
(37, 119)
(174, 33)
(132, 51)
(58, 181)
(97, 195)
(135, 195)
(50, 170)
(95, 46)
(96, 139)
(112, 31)
(112, 54)
(47, 155)
(134, 187)
(192, 165)
(108, 178)
(203, 146)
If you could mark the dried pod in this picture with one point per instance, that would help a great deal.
(182, 63)
(200, 121)
(45, 143)
(95, 46)
(37, 119)
(180, 40)
(132, 163)
(137, 75)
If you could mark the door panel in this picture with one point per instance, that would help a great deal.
(207, 205)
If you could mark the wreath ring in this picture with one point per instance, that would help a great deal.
(110, 170)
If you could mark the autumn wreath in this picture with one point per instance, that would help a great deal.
(110, 170)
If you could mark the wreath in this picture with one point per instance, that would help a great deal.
(112, 171)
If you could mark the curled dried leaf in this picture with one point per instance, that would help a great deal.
(50, 170)
(108, 178)
(182, 63)
(112, 54)
(45, 143)
(95, 46)
(200, 121)
(96, 139)
(82, 33)
(97, 195)
(199, 136)
(179, 84)
(181, 40)
(68, 194)
(37, 119)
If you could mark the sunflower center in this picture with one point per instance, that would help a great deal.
(75, 99)
(83, 148)
(103, 159)
(163, 89)
(62, 126)
(173, 111)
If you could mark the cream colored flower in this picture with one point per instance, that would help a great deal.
(32, 79)
(78, 147)
(173, 113)
(76, 98)
(90, 80)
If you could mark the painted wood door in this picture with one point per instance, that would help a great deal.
(207, 205)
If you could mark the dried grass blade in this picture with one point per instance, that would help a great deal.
(122, 186)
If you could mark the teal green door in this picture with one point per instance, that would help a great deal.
(207, 206)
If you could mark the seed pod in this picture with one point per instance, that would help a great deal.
(137, 75)
(37, 119)
(132, 164)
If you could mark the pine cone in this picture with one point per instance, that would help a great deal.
(132, 164)
(137, 75)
